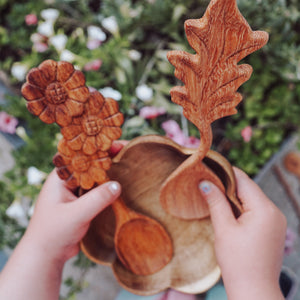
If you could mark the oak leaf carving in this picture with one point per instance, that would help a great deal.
(221, 38)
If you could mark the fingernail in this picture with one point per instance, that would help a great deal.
(114, 187)
(205, 187)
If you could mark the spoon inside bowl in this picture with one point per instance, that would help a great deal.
(141, 243)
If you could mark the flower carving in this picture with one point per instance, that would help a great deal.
(97, 127)
(79, 169)
(55, 92)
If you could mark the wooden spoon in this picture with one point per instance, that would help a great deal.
(142, 244)
(211, 78)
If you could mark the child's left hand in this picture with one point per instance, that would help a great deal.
(61, 219)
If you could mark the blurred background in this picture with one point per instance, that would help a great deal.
(121, 47)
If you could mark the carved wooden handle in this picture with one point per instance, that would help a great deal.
(211, 77)
(56, 92)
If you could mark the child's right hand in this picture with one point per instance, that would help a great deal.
(249, 249)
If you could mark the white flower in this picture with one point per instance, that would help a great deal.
(59, 42)
(50, 14)
(17, 212)
(21, 132)
(96, 33)
(134, 55)
(19, 70)
(110, 24)
(46, 28)
(37, 38)
(67, 55)
(109, 92)
(144, 93)
(35, 176)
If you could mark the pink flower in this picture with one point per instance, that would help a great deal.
(289, 241)
(93, 65)
(151, 112)
(174, 132)
(246, 134)
(8, 123)
(93, 44)
(31, 19)
(192, 142)
(40, 47)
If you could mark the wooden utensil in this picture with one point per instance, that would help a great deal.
(89, 125)
(142, 244)
(211, 77)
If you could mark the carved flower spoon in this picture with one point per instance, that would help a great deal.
(89, 123)
(211, 77)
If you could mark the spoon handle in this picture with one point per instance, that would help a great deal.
(122, 213)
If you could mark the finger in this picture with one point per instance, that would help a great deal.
(86, 207)
(116, 147)
(250, 194)
(220, 210)
(54, 190)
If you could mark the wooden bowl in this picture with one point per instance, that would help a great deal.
(141, 167)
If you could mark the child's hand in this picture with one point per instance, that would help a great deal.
(249, 249)
(60, 219)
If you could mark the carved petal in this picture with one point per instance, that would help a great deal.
(75, 108)
(110, 108)
(63, 118)
(103, 163)
(86, 181)
(69, 132)
(64, 149)
(31, 92)
(99, 175)
(64, 71)
(36, 107)
(48, 70)
(72, 182)
(47, 115)
(75, 81)
(77, 142)
(95, 103)
(80, 94)
(89, 146)
(64, 172)
(58, 160)
(36, 78)
(112, 133)
(115, 120)
(103, 142)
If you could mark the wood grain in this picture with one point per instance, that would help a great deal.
(193, 268)
(211, 77)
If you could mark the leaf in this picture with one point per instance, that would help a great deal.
(221, 38)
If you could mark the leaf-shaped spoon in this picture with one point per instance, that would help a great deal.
(211, 77)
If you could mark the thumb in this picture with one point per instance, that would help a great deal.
(89, 205)
(220, 210)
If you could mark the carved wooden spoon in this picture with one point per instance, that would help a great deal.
(142, 244)
(211, 77)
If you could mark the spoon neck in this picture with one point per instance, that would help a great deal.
(205, 141)
(121, 211)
